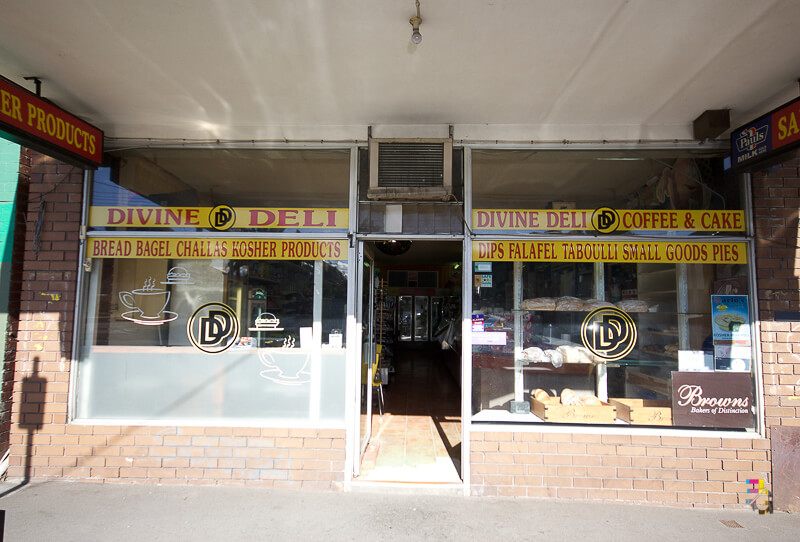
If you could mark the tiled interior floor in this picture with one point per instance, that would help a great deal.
(418, 438)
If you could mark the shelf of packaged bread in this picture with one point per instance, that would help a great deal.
(484, 360)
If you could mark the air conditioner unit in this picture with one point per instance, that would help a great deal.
(410, 169)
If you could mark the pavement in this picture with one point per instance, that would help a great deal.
(71, 511)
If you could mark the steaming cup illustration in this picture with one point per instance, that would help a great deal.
(149, 303)
(288, 363)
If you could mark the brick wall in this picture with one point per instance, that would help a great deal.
(670, 470)
(776, 201)
(45, 446)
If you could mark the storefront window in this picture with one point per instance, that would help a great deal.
(664, 324)
(642, 192)
(264, 190)
(647, 322)
(143, 357)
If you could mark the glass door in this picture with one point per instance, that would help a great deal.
(421, 318)
(366, 319)
(405, 317)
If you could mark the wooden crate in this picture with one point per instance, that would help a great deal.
(643, 411)
(553, 411)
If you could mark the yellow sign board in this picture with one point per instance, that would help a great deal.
(219, 218)
(606, 220)
(609, 251)
(234, 249)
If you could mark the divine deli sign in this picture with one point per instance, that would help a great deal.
(220, 218)
(29, 120)
(721, 399)
(606, 220)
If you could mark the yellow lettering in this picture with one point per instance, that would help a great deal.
(40, 120)
(31, 114)
(11, 105)
(793, 129)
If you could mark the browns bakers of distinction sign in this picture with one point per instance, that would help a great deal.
(29, 120)
(762, 138)
(701, 399)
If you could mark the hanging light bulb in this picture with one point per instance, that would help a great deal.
(416, 36)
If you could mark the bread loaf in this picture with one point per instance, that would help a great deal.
(592, 304)
(568, 303)
(540, 395)
(534, 354)
(555, 357)
(575, 354)
(632, 305)
(538, 304)
(569, 398)
(591, 401)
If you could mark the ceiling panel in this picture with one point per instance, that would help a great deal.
(327, 69)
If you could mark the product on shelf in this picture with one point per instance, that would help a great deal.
(533, 354)
(569, 398)
(568, 303)
(538, 304)
(633, 305)
(592, 304)
(555, 357)
(540, 394)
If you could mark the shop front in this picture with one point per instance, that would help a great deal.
(614, 343)
(584, 322)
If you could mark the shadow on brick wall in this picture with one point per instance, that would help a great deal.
(31, 409)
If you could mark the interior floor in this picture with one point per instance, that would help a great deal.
(418, 437)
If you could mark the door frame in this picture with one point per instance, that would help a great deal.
(364, 354)
(355, 449)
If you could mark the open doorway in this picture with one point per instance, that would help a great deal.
(415, 402)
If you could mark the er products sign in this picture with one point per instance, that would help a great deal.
(29, 120)
(712, 399)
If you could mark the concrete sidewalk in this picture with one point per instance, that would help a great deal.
(68, 511)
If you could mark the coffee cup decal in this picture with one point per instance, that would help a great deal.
(285, 365)
(147, 304)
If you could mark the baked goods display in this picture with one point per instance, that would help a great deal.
(633, 305)
(593, 304)
(569, 303)
(555, 357)
(567, 397)
(534, 354)
(577, 354)
(538, 304)
(540, 395)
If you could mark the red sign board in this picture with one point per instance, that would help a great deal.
(30, 120)
(777, 131)
(786, 129)
(720, 399)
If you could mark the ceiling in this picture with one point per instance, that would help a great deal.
(314, 70)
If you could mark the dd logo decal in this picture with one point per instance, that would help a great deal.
(605, 220)
(213, 328)
(609, 333)
(222, 217)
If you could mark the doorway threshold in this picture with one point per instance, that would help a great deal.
(410, 488)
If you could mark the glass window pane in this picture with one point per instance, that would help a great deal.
(673, 320)
(588, 180)
(237, 178)
(137, 361)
